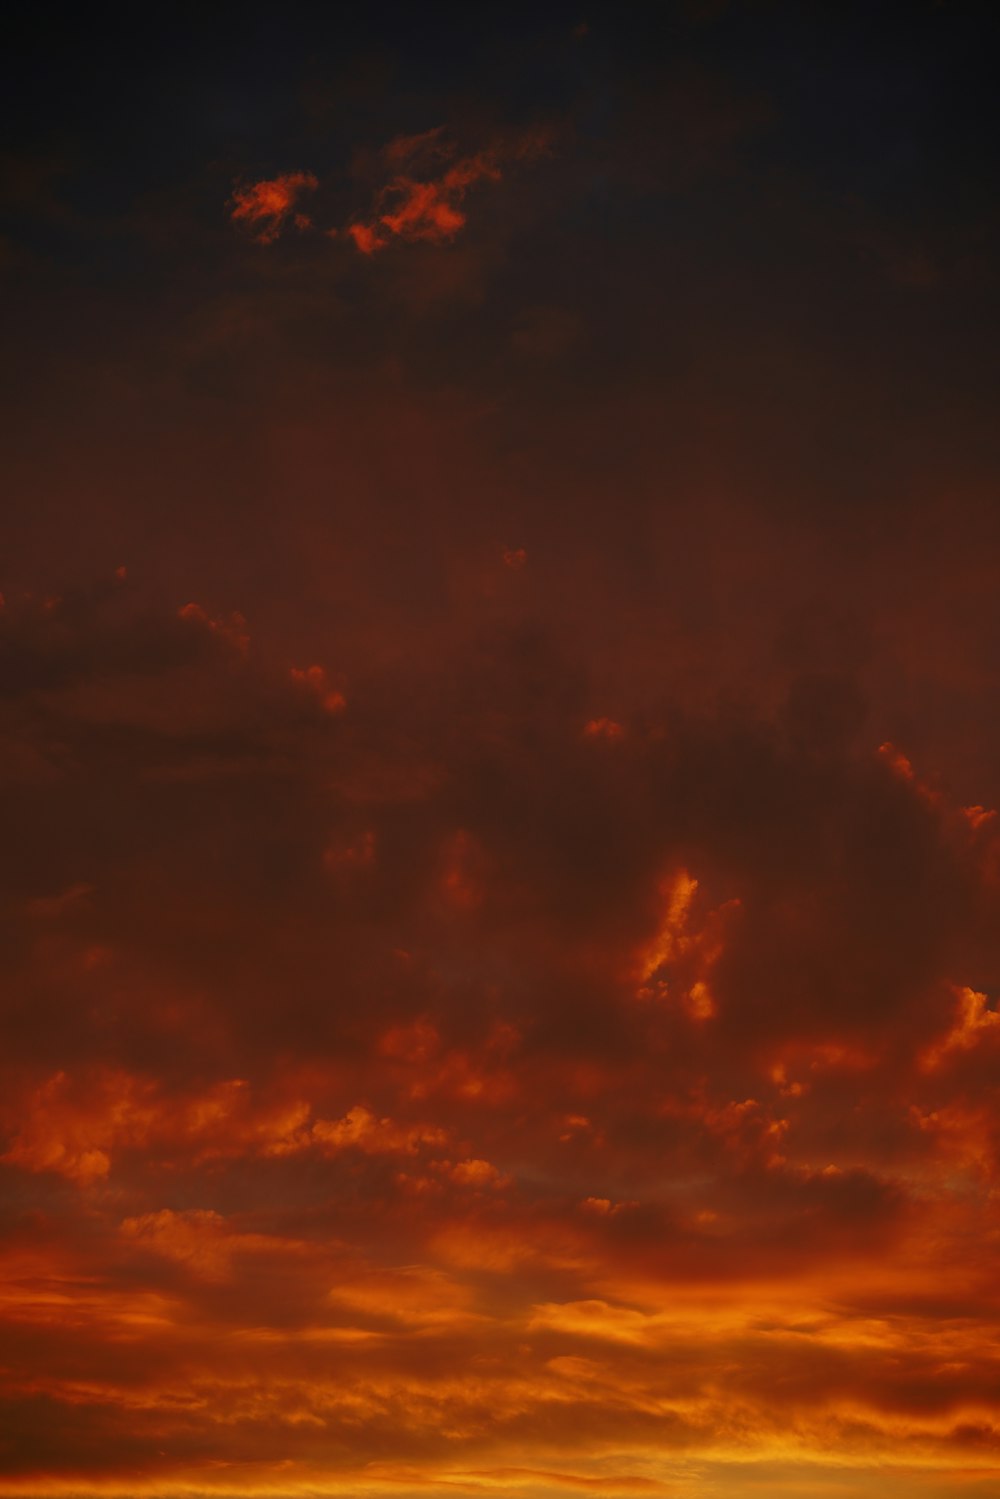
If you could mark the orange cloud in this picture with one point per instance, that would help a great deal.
(678, 962)
(421, 200)
(476, 1173)
(437, 1049)
(266, 207)
(365, 237)
(975, 1025)
(360, 1129)
(79, 1126)
(412, 209)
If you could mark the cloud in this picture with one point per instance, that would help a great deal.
(411, 209)
(480, 1013)
(547, 1074)
(422, 198)
(314, 679)
(267, 207)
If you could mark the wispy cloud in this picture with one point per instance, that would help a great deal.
(423, 195)
(269, 206)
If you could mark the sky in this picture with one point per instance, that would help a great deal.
(499, 741)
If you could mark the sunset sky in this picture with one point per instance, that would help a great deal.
(500, 735)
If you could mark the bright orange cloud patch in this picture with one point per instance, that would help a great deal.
(428, 210)
(267, 207)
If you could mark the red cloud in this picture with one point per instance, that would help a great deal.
(603, 728)
(267, 206)
(422, 200)
(427, 210)
(365, 237)
(233, 629)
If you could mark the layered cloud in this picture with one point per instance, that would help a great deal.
(500, 894)
(368, 1132)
